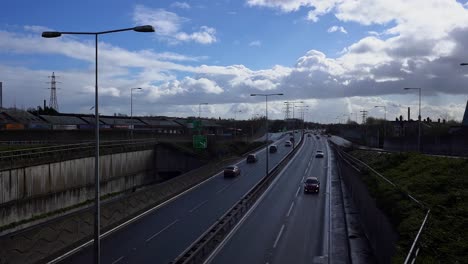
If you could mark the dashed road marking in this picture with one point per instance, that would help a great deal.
(290, 209)
(278, 236)
(162, 230)
(117, 260)
(198, 206)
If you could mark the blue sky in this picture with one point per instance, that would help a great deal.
(339, 56)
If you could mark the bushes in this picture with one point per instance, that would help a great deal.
(441, 184)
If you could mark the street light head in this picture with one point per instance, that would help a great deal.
(463, 64)
(146, 28)
(253, 94)
(51, 34)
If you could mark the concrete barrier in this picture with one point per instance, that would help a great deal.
(42, 242)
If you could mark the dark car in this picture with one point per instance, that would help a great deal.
(231, 171)
(309, 135)
(273, 149)
(291, 139)
(311, 184)
(319, 154)
(251, 158)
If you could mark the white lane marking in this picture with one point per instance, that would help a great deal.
(278, 236)
(290, 209)
(198, 206)
(162, 230)
(90, 242)
(249, 212)
(298, 189)
(224, 188)
(117, 260)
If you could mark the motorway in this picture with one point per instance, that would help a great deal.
(286, 226)
(160, 236)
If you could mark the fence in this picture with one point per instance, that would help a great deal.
(379, 231)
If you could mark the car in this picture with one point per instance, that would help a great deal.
(291, 139)
(287, 143)
(251, 158)
(319, 154)
(231, 171)
(309, 135)
(318, 137)
(311, 184)
(273, 148)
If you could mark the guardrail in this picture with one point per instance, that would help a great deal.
(14, 158)
(414, 250)
(199, 250)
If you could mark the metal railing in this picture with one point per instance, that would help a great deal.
(16, 158)
(199, 250)
(414, 250)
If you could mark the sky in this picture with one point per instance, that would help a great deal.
(338, 57)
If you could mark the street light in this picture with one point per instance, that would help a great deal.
(199, 109)
(235, 121)
(131, 109)
(419, 116)
(385, 120)
(266, 120)
(97, 213)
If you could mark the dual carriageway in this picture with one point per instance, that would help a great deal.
(283, 226)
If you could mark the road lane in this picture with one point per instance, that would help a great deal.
(178, 223)
(287, 226)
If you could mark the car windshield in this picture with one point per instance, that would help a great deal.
(230, 168)
(311, 181)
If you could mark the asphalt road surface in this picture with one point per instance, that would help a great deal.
(162, 235)
(287, 226)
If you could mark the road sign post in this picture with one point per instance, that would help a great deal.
(200, 142)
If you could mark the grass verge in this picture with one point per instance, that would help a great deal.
(441, 184)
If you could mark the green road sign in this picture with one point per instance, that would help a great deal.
(196, 125)
(200, 142)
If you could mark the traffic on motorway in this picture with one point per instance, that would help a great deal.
(160, 236)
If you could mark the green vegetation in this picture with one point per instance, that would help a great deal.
(441, 184)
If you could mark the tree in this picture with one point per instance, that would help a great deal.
(46, 111)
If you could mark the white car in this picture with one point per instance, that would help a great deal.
(287, 143)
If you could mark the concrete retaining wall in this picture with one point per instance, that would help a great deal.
(378, 229)
(31, 191)
(43, 242)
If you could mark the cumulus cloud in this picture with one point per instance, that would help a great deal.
(337, 29)
(373, 70)
(255, 43)
(168, 26)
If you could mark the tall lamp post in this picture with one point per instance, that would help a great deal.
(419, 116)
(97, 213)
(131, 109)
(235, 121)
(385, 120)
(199, 109)
(266, 120)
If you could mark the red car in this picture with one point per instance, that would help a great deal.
(231, 171)
(311, 184)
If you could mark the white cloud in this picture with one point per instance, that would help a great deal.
(168, 26)
(206, 35)
(183, 5)
(337, 28)
(412, 49)
(255, 43)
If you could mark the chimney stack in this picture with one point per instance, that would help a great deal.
(44, 104)
(1, 96)
(409, 113)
